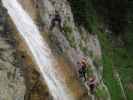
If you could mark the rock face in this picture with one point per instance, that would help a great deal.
(71, 45)
(72, 39)
(74, 43)
(12, 85)
(19, 80)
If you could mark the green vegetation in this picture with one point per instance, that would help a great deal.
(123, 63)
(114, 13)
(101, 93)
(108, 74)
(117, 17)
(120, 59)
(68, 32)
(83, 48)
(84, 14)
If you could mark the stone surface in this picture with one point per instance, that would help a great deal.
(73, 44)
(12, 83)
(12, 86)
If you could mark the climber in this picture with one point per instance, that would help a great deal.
(83, 66)
(82, 69)
(92, 83)
(83, 63)
(56, 20)
(81, 75)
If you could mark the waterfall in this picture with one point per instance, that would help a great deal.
(39, 49)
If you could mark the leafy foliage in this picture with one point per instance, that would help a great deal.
(114, 13)
(68, 32)
(83, 13)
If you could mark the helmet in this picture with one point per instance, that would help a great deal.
(92, 78)
(83, 61)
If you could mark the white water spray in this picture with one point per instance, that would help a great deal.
(39, 48)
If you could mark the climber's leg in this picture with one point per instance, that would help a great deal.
(92, 88)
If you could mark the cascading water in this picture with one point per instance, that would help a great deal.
(40, 50)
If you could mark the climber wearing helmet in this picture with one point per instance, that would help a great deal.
(92, 84)
(83, 63)
(82, 69)
(56, 20)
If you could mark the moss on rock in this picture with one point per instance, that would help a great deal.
(68, 33)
